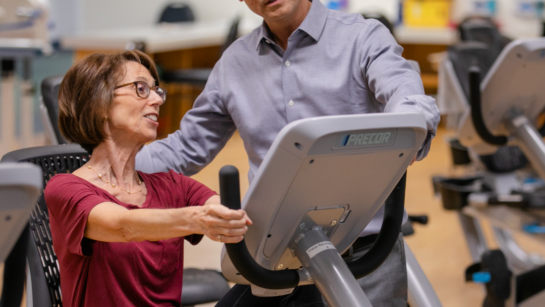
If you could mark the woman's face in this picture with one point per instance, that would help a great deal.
(132, 119)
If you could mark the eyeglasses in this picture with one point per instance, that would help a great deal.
(143, 90)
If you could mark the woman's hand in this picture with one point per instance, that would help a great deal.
(222, 224)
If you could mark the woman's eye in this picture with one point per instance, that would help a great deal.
(141, 88)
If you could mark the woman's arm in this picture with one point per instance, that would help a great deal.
(109, 222)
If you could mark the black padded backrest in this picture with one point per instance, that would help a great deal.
(44, 271)
(177, 12)
(483, 30)
(50, 95)
(232, 35)
(467, 54)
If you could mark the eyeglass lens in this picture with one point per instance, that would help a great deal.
(143, 90)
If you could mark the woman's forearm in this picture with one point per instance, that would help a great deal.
(109, 222)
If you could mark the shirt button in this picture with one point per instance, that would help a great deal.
(291, 103)
(287, 63)
(268, 41)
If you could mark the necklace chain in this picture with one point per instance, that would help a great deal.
(113, 185)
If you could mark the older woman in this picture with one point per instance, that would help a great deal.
(118, 233)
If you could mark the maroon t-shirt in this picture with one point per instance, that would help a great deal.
(95, 273)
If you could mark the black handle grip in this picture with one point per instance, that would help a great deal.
(230, 187)
(238, 252)
(476, 109)
(420, 219)
(389, 233)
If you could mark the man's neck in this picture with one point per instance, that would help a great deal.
(281, 30)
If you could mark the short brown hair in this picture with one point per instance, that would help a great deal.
(87, 91)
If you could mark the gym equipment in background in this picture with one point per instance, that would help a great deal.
(20, 187)
(499, 128)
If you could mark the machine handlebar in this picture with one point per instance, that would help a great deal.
(261, 277)
(476, 109)
(238, 252)
(389, 233)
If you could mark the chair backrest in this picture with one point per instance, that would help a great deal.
(41, 256)
(177, 12)
(232, 35)
(467, 54)
(483, 30)
(50, 97)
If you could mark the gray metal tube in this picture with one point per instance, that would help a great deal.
(474, 235)
(530, 141)
(328, 270)
(421, 293)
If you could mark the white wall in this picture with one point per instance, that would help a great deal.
(72, 16)
(84, 15)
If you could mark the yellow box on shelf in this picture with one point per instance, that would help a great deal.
(426, 13)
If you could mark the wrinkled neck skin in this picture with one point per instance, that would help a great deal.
(281, 29)
(115, 159)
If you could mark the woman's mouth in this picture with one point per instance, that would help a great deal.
(152, 117)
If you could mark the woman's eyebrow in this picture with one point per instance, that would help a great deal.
(142, 78)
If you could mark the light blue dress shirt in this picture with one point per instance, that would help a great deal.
(335, 63)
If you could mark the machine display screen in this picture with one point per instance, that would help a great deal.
(357, 139)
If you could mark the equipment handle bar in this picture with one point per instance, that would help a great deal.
(476, 109)
(261, 277)
(238, 252)
(389, 233)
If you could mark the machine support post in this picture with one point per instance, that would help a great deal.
(328, 270)
(421, 292)
(530, 141)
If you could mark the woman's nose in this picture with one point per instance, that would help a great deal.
(156, 98)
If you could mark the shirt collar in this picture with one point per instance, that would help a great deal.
(313, 24)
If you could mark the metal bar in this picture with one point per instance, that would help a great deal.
(421, 293)
(530, 141)
(516, 256)
(328, 270)
(476, 242)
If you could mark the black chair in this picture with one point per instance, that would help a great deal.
(176, 12)
(42, 260)
(199, 76)
(199, 286)
(49, 108)
(483, 30)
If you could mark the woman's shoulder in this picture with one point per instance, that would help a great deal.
(170, 177)
(64, 183)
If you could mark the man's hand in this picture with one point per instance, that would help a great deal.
(222, 224)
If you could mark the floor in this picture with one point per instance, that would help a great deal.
(438, 246)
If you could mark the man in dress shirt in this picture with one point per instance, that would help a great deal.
(303, 61)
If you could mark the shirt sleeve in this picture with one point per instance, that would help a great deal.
(395, 83)
(204, 131)
(196, 194)
(70, 202)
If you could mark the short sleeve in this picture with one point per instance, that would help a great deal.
(70, 201)
(196, 194)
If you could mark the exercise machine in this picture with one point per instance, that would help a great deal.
(20, 187)
(320, 184)
(499, 126)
